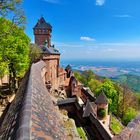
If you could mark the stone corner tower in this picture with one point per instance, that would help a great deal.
(42, 32)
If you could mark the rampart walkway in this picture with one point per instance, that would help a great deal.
(32, 114)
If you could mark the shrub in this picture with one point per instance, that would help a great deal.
(101, 112)
(129, 115)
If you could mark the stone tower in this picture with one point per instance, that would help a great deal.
(42, 32)
(102, 105)
(50, 55)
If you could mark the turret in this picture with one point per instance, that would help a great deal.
(102, 106)
(42, 32)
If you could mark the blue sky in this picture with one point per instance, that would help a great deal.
(89, 29)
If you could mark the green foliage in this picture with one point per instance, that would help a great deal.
(115, 125)
(129, 115)
(101, 112)
(108, 88)
(120, 97)
(12, 9)
(81, 133)
(14, 49)
(78, 76)
(85, 77)
(3, 67)
(132, 81)
(94, 84)
(88, 79)
(35, 52)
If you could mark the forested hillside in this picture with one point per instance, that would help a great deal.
(123, 103)
(132, 81)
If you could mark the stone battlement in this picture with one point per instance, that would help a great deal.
(32, 113)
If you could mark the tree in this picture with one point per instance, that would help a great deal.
(12, 9)
(101, 112)
(80, 77)
(88, 74)
(14, 51)
(108, 88)
(129, 114)
(94, 84)
(88, 79)
(85, 77)
(35, 53)
(127, 99)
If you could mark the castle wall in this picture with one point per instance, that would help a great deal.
(62, 78)
(52, 62)
(32, 114)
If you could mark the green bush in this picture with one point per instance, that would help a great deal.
(101, 112)
(115, 125)
(129, 115)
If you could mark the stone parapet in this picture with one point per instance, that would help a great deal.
(32, 114)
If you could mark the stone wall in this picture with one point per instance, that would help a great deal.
(52, 63)
(12, 119)
(41, 38)
(32, 114)
(100, 128)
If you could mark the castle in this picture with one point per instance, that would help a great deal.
(33, 114)
(56, 76)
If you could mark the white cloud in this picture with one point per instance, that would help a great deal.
(116, 44)
(102, 50)
(123, 16)
(85, 38)
(52, 1)
(100, 2)
(68, 45)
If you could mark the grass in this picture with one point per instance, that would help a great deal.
(115, 125)
(81, 133)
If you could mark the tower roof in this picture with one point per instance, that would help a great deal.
(101, 99)
(91, 107)
(42, 24)
(68, 67)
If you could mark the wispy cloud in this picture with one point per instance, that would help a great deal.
(100, 2)
(116, 44)
(52, 1)
(85, 38)
(93, 45)
(68, 45)
(96, 50)
(110, 50)
(123, 16)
